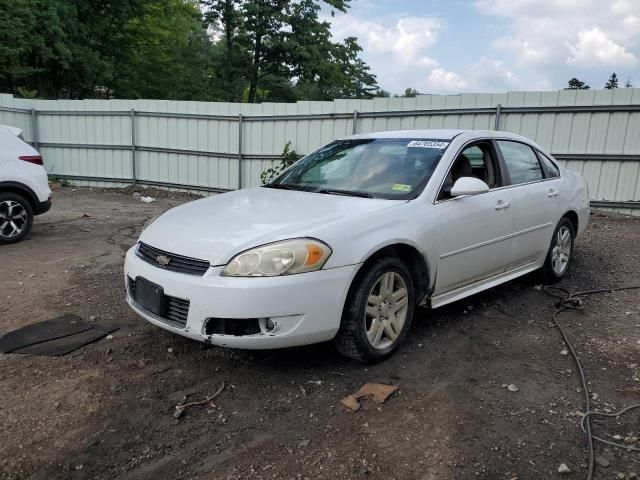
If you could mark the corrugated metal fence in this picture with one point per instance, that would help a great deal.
(214, 147)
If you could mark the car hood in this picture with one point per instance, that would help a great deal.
(218, 227)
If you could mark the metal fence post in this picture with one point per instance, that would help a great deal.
(134, 172)
(34, 127)
(498, 110)
(239, 151)
(355, 122)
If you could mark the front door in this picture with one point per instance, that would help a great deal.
(474, 233)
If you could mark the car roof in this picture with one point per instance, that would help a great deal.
(441, 134)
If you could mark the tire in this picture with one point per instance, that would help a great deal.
(16, 217)
(357, 317)
(562, 241)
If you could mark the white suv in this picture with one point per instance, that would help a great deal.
(24, 188)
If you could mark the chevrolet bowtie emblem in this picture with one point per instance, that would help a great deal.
(163, 260)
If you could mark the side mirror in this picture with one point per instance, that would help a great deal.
(468, 186)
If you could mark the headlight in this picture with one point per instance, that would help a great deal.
(280, 258)
(150, 221)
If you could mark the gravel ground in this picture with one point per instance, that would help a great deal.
(106, 411)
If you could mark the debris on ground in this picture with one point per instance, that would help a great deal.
(147, 199)
(563, 468)
(180, 408)
(378, 392)
(602, 461)
(512, 387)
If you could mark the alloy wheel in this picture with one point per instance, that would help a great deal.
(386, 310)
(561, 251)
(13, 219)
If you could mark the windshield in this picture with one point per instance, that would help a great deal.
(392, 168)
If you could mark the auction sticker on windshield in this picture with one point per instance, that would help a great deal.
(402, 187)
(427, 144)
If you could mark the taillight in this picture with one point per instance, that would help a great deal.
(37, 159)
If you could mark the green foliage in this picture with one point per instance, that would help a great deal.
(22, 92)
(612, 82)
(575, 84)
(287, 158)
(410, 93)
(228, 50)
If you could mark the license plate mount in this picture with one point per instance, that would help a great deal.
(151, 297)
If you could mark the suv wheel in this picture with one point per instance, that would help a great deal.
(378, 312)
(16, 217)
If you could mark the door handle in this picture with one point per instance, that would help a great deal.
(553, 193)
(502, 205)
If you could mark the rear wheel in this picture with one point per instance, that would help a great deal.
(378, 311)
(16, 217)
(560, 252)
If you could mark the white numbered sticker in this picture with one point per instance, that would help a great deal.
(427, 144)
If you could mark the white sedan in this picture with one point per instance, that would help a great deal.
(349, 240)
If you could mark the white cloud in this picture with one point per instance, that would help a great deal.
(396, 49)
(594, 48)
(488, 74)
(443, 81)
(585, 33)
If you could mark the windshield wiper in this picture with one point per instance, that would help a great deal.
(344, 192)
(282, 186)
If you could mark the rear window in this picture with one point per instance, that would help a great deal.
(522, 162)
(549, 168)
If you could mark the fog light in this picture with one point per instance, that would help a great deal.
(268, 326)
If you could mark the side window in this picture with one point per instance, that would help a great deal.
(522, 162)
(549, 168)
(474, 161)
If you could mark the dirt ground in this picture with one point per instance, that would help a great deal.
(106, 411)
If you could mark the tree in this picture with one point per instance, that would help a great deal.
(231, 59)
(236, 50)
(628, 84)
(381, 93)
(166, 54)
(575, 84)
(94, 48)
(410, 93)
(612, 82)
(285, 52)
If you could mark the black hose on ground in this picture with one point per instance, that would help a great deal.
(565, 301)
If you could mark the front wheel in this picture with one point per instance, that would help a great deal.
(560, 254)
(16, 217)
(378, 311)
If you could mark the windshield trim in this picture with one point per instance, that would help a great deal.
(415, 193)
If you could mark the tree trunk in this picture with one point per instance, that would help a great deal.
(229, 27)
(255, 68)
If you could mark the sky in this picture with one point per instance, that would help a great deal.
(453, 46)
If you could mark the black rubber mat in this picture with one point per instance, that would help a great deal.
(54, 337)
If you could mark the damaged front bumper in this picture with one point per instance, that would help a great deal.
(250, 313)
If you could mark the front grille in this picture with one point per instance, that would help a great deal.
(177, 308)
(177, 263)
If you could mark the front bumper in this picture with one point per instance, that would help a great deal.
(307, 307)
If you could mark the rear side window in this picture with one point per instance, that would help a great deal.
(522, 162)
(549, 168)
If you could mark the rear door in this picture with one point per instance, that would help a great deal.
(534, 201)
(474, 231)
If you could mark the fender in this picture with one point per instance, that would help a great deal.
(21, 188)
